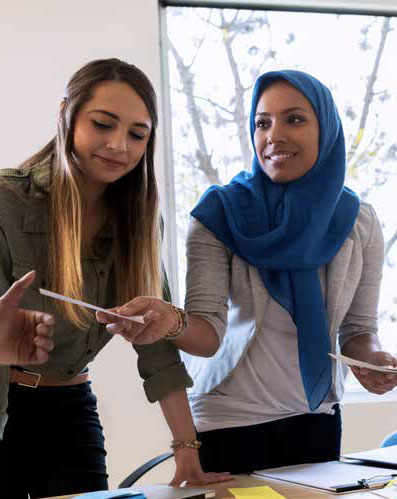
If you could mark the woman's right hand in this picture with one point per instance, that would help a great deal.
(159, 316)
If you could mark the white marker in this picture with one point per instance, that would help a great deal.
(56, 296)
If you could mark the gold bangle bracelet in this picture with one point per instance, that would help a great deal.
(189, 444)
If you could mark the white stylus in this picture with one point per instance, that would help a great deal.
(56, 296)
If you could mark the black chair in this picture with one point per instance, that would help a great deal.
(139, 472)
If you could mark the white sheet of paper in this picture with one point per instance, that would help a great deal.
(383, 455)
(56, 296)
(388, 492)
(358, 363)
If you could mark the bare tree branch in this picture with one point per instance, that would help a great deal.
(202, 155)
(201, 41)
(209, 101)
(370, 89)
(390, 242)
(240, 114)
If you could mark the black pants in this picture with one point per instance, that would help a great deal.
(308, 438)
(53, 443)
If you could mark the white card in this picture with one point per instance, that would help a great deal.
(358, 363)
(56, 296)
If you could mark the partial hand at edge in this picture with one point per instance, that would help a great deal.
(25, 335)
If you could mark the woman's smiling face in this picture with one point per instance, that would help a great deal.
(111, 133)
(286, 133)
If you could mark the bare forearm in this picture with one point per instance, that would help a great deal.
(360, 347)
(176, 410)
(199, 339)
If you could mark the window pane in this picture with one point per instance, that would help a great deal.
(215, 56)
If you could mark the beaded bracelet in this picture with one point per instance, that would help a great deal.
(181, 444)
(182, 324)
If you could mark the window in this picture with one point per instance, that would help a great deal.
(215, 55)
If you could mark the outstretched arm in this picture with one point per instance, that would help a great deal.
(207, 294)
(199, 338)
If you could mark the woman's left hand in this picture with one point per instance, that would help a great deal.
(188, 469)
(374, 381)
(159, 316)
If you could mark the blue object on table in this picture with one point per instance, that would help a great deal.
(390, 440)
(111, 494)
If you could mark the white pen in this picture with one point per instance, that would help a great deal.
(56, 296)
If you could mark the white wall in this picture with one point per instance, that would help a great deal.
(41, 44)
(366, 424)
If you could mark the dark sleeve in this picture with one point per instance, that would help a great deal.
(159, 364)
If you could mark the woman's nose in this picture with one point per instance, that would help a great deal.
(276, 133)
(118, 142)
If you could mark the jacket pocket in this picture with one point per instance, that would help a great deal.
(32, 298)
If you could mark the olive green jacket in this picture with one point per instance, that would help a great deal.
(24, 247)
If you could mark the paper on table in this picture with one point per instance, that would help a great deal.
(56, 296)
(389, 492)
(265, 492)
(383, 456)
(358, 363)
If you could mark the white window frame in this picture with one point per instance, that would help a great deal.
(356, 7)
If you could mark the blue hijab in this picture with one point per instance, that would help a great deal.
(288, 230)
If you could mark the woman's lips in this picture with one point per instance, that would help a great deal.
(111, 162)
(280, 156)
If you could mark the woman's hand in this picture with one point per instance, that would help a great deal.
(188, 469)
(366, 347)
(159, 316)
(25, 335)
(374, 381)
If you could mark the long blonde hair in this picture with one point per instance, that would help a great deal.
(133, 199)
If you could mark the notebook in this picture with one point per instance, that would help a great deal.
(385, 456)
(332, 476)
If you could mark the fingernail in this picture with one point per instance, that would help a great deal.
(111, 327)
(149, 316)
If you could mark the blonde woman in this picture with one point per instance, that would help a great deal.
(83, 213)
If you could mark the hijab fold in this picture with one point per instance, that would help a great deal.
(288, 230)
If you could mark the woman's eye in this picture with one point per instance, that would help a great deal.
(262, 124)
(136, 136)
(100, 124)
(296, 120)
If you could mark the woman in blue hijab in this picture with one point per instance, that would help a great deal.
(284, 267)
